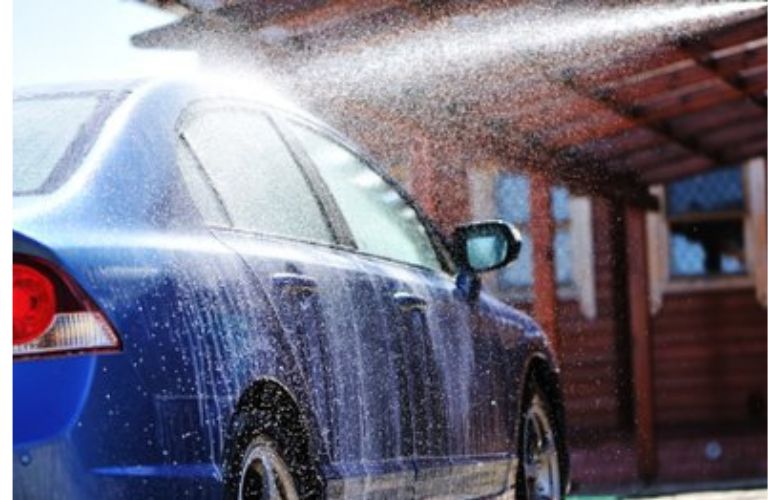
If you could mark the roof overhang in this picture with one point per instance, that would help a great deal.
(685, 104)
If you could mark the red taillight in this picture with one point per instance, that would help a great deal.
(34, 303)
(52, 315)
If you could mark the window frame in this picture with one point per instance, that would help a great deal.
(658, 224)
(284, 120)
(740, 216)
(566, 290)
(194, 110)
(582, 287)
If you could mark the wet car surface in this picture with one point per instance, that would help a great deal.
(245, 307)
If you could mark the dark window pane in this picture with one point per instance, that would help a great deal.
(718, 191)
(261, 186)
(707, 248)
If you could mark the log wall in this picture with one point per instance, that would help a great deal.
(710, 359)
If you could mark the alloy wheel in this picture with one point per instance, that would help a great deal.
(264, 475)
(541, 464)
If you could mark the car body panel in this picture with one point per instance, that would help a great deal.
(203, 313)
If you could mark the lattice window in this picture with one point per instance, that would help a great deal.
(710, 233)
(572, 242)
(706, 216)
(505, 195)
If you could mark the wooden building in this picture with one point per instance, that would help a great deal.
(635, 170)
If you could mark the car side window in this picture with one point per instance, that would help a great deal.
(199, 187)
(255, 176)
(380, 220)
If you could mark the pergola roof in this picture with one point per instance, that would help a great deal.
(689, 104)
(687, 108)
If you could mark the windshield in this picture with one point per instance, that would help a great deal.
(50, 135)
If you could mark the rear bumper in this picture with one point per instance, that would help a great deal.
(48, 397)
(75, 438)
(55, 470)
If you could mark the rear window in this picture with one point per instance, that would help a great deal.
(50, 136)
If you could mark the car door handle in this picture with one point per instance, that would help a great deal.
(408, 301)
(296, 282)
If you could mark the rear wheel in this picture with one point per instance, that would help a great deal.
(264, 474)
(269, 459)
(539, 475)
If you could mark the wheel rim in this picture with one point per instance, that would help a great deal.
(540, 460)
(264, 476)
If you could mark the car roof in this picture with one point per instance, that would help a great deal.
(251, 87)
(106, 86)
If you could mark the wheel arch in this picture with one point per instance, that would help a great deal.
(269, 397)
(538, 365)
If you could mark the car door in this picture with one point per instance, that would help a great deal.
(273, 216)
(448, 373)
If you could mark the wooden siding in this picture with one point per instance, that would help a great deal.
(594, 368)
(710, 359)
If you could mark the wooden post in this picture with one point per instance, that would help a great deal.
(542, 236)
(642, 353)
(440, 184)
(423, 174)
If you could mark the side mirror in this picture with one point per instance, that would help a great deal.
(484, 246)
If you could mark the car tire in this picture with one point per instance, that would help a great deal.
(269, 459)
(540, 448)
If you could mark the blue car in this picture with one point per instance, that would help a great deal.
(215, 295)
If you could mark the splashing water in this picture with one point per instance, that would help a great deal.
(516, 43)
(437, 70)
(462, 70)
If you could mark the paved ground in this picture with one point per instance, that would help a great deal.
(721, 495)
(751, 494)
(761, 494)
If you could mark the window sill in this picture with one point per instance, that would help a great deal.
(694, 285)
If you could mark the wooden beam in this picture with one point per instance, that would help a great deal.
(738, 144)
(641, 118)
(542, 236)
(660, 112)
(751, 147)
(640, 159)
(439, 182)
(676, 170)
(702, 53)
(725, 140)
(636, 65)
(579, 172)
(734, 132)
(627, 142)
(660, 109)
(642, 349)
(646, 63)
(659, 79)
(715, 118)
(755, 81)
(748, 56)
(751, 28)
(576, 133)
(579, 121)
(680, 74)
